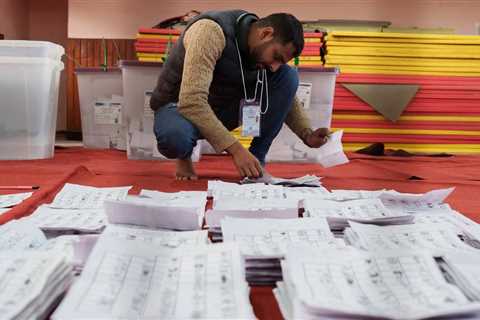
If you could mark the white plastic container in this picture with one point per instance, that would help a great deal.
(139, 80)
(29, 83)
(287, 146)
(101, 108)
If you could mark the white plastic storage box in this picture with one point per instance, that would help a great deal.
(316, 91)
(101, 103)
(29, 83)
(139, 80)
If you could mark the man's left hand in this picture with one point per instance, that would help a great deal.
(317, 138)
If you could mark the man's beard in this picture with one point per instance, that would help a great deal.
(254, 59)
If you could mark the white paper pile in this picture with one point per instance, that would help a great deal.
(338, 213)
(436, 238)
(128, 279)
(393, 285)
(73, 196)
(31, 283)
(214, 217)
(68, 221)
(10, 200)
(263, 242)
(220, 189)
(306, 181)
(20, 235)
(170, 212)
(464, 272)
(171, 239)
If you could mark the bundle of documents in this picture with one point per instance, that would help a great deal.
(176, 211)
(32, 283)
(67, 221)
(338, 214)
(263, 242)
(306, 181)
(214, 217)
(171, 239)
(73, 196)
(436, 238)
(464, 272)
(393, 285)
(130, 279)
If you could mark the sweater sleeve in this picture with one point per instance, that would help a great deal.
(204, 43)
(298, 121)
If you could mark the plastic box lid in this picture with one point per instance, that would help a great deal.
(30, 49)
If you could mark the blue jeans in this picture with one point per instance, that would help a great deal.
(177, 136)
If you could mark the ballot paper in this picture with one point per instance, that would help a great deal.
(307, 180)
(457, 221)
(2, 211)
(411, 203)
(31, 283)
(331, 153)
(394, 285)
(68, 220)
(268, 238)
(126, 279)
(464, 272)
(364, 211)
(73, 196)
(257, 204)
(214, 217)
(220, 189)
(158, 195)
(20, 235)
(436, 238)
(169, 239)
(345, 195)
(173, 214)
(10, 200)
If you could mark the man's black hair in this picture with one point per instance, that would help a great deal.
(287, 29)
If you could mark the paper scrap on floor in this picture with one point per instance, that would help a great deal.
(10, 200)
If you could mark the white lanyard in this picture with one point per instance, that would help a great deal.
(263, 82)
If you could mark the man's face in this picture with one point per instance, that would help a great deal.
(268, 53)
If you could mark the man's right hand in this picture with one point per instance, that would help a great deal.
(246, 163)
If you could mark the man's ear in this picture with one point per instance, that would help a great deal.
(266, 33)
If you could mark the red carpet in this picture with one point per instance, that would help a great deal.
(111, 168)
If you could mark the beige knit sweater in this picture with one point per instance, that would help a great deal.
(204, 42)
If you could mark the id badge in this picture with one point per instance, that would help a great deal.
(251, 116)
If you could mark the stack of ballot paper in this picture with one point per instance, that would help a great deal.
(132, 279)
(73, 196)
(32, 283)
(171, 239)
(306, 181)
(436, 238)
(263, 242)
(214, 218)
(463, 270)
(175, 211)
(68, 221)
(393, 285)
(338, 213)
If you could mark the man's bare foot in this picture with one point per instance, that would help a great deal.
(185, 170)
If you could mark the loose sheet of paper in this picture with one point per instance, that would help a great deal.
(331, 153)
(73, 196)
(136, 280)
(269, 237)
(10, 200)
(20, 235)
(411, 203)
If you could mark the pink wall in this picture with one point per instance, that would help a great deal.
(14, 19)
(121, 18)
(48, 20)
